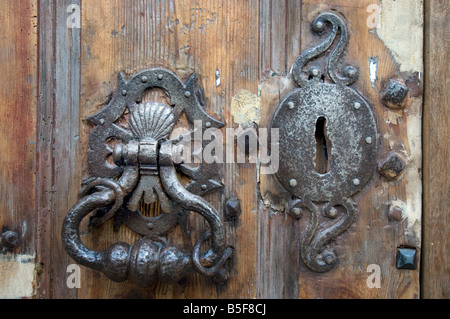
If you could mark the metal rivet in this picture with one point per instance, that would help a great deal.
(150, 226)
(329, 258)
(160, 76)
(296, 212)
(124, 92)
(314, 71)
(291, 105)
(395, 213)
(102, 121)
(392, 167)
(187, 94)
(144, 79)
(351, 71)
(293, 182)
(204, 187)
(319, 25)
(357, 105)
(332, 213)
(406, 258)
(356, 182)
(208, 124)
(395, 95)
(369, 140)
(10, 239)
(233, 208)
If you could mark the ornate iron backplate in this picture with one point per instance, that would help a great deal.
(134, 161)
(351, 149)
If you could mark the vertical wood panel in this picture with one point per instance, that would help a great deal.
(66, 133)
(18, 102)
(436, 244)
(373, 238)
(280, 26)
(17, 116)
(44, 185)
(58, 145)
(278, 234)
(185, 36)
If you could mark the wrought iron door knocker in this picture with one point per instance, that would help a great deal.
(143, 168)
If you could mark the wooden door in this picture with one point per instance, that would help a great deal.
(61, 64)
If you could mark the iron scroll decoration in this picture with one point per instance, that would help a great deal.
(142, 167)
(351, 132)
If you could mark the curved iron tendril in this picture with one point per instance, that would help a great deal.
(318, 25)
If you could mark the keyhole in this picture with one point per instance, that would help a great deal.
(323, 147)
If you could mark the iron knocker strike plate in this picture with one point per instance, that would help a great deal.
(134, 161)
(351, 149)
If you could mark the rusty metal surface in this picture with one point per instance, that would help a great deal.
(347, 129)
(395, 94)
(350, 132)
(392, 167)
(129, 94)
(343, 77)
(143, 169)
(9, 240)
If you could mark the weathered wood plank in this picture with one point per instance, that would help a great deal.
(280, 25)
(216, 40)
(58, 145)
(44, 127)
(18, 103)
(278, 235)
(66, 132)
(436, 244)
(373, 238)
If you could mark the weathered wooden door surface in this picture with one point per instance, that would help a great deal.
(61, 62)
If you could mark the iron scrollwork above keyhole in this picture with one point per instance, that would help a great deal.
(134, 162)
(328, 143)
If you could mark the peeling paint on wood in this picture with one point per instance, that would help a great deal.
(400, 27)
(413, 171)
(17, 273)
(245, 109)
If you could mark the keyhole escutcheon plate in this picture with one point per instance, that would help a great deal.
(350, 128)
(328, 143)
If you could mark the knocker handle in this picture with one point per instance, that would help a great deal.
(149, 259)
(219, 252)
(189, 201)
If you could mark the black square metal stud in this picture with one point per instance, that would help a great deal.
(406, 258)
